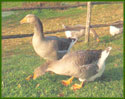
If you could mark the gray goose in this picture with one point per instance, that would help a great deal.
(77, 31)
(86, 65)
(50, 48)
(116, 28)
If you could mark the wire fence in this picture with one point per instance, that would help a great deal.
(55, 7)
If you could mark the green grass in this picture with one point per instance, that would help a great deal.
(23, 61)
(19, 61)
(11, 4)
(43, 14)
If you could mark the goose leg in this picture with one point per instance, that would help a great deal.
(97, 39)
(67, 82)
(77, 86)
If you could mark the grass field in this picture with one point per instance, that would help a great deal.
(19, 59)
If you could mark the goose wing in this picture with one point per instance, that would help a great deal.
(62, 43)
(87, 71)
(83, 57)
(81, 64)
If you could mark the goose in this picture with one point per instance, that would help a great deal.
(116, 28)
(50, 48)
(86, 65)
(76, 32)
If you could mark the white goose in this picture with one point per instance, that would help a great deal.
(76, 32)
(116, 28)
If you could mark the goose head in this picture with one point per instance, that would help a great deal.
(41, 70)
(30, 18)
(34, 20)
(38, 72)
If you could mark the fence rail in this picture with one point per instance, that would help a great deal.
(56, 31)
(58, 7)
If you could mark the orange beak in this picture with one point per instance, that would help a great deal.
(24, 20)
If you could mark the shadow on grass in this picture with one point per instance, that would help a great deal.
(113, 58)
(108, 39)
(112, 75)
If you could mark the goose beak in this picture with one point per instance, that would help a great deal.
(24, 20)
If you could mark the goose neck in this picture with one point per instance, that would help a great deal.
(38, 28)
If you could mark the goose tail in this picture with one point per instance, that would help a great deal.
(103, 57)
(105, 53)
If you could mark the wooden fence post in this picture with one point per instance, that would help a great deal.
(88, 21)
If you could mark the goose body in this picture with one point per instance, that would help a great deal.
(76, 32)
(85, 65)
(51, 47)
(116, 28)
